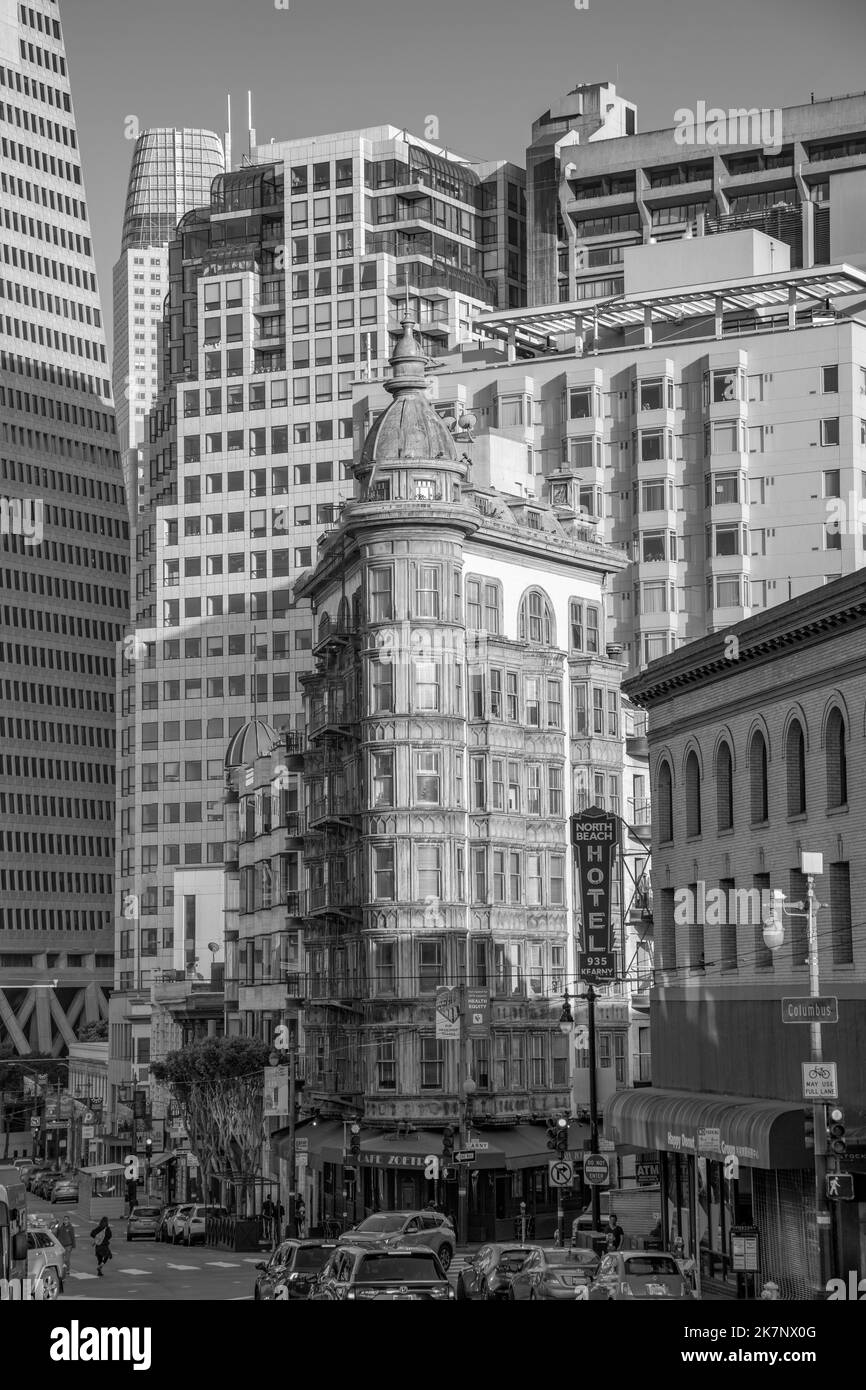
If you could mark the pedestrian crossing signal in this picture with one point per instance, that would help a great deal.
(840, 1187)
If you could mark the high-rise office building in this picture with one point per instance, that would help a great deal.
(64, 538)
(171, 172)
(796, 173)
(284, 290)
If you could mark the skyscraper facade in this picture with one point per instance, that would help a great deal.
(64, 539)
(171, 172)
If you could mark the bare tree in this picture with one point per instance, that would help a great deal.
(218, 1084)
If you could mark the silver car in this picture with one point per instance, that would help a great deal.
(392, 1229)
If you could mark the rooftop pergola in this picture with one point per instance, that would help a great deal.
(790, 291)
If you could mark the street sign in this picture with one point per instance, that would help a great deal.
(87, 1131)
(824, 1010)
(819, 1081)
(465, 1156)
(302, 1144)
(596, 1169)
(599, 967)
(302, 1160)
(34, 1121)
(840, 1187)
(606, 1146)
(560, 1173)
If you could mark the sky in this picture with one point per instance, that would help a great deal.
(484, 68)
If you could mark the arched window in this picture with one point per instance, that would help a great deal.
(666, 803)
(536, 618)
(837, 761)
(343, 615)
(324, 626)
(758, 778)
(795, 762)
(725, 788)
(693, 794)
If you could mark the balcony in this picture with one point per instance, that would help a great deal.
(331, 897)
(296, 905)
(335, 712)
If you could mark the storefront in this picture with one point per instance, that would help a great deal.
(510, 1167)
(728, 1164)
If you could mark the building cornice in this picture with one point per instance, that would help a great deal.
(804, 621)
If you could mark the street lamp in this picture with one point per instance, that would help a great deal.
(286, 1057)
(469, 1088)
(774, 934)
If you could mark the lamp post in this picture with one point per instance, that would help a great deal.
(566, 1027)
(774, 934)
(589, 999)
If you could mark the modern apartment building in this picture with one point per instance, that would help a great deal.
(64, 536)
(754, 762)
(797, 174)
(282, 292)
(711, 421)
(171, 173)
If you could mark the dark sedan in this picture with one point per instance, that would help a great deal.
(356, 1273)
(292, 1270)
(558, 1274)
(488, 1274)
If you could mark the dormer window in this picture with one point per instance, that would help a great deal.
(533, 521)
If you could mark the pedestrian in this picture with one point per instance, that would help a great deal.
(615, 1235)
(66, 1235)
(268, 1214)
(101, 1237)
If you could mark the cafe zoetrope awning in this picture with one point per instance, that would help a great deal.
(760, 1133)
(525, 1146)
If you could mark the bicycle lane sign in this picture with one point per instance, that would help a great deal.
(819, 1081)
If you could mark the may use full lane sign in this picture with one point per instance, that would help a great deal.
(595, 837)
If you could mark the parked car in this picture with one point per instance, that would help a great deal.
(166, 1216)
(191, 1226)
(642, 1274)
(174, 1224)
(406, 1229)
(292, 1270)
(45, 1262)
(64, 1190)
(559, 1273)
(356, 1272)
(488, 1273)
(143, 1221)
(44, 1183)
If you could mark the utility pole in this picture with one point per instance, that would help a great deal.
(822, 1212)
(292, 1159)
(464, 1130)
(590, 998)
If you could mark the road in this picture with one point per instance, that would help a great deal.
(145, 1270)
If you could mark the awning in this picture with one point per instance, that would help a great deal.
(104, 1170)
(165, 1158)
(760, 1133)
(525, 1146)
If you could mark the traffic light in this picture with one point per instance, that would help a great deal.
(809, 1131)
(562, 1135)
(552, 1134)
(355, 1141)
(836, 1131)
(447, 1142)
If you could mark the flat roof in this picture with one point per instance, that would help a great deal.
(533, 326)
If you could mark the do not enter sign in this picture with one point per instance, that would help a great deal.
(596, 1169)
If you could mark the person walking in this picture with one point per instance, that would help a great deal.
(268, 1214)
(101, 1237)
(66, 1235)
(614, 1233)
